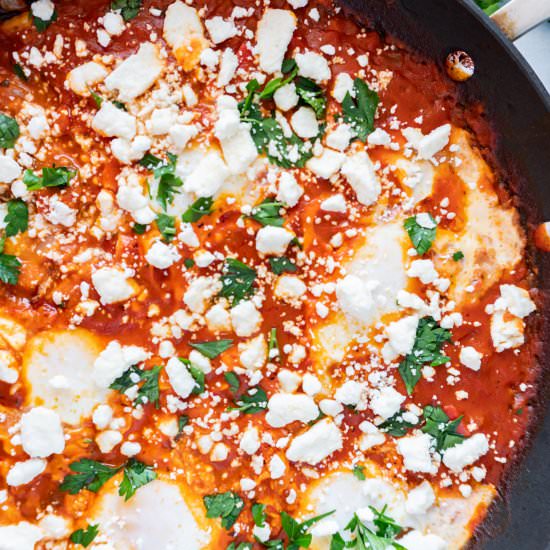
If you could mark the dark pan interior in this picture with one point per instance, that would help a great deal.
(519, 110)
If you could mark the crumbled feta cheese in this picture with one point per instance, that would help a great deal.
(355, 297)
(516, 300)
(273, 35)
(340, 137)
(314, 445)
(162, 255)
(288, 380)
(228, 66)
(9, 169)
(423, 270)
(285, 408)
(253, 353)
(286, 97)
(59, 213)
(507, 332)
(401, 336)
(41, 433)
(102, 416)
(218, 318)
(250, 441)
(200, 292)
(112, 285)
(304, 122)
(110, 121)
(220, 29)
(114, 361)
(81, 78)
(434, 142)
(469, 451)
(415, 540)
(470, 357)
(22, 473)
(246, 319)
(343, 85)
(108, 440)
(180, 378)
(277, 467)
(313, 65)
(420, 499)
(334, 203)
(43, 9)
(208, 176)
(386, 402)
(415, 450)
(361, 175)
(289, 288)
(289, 191)
(327, 164)
(273, 240)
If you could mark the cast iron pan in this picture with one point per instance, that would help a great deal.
(519, 109)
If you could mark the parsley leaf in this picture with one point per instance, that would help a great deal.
(237, 281)
(42, 24)
(9, 131)
(396, 426)
(183, 420)
(489, 6)
(226, 506)
(150, 161)
(17, 218)
(19, 71)
(212, 349)
(85, 536)
(430, 338)
(56, 176)
(312, 95)
(167, 226)
(165, 173)
(253, 401)
(149, 390)
(359, 472)
(91, 475)
(136, 475)
(281, 265)
(201, 207)
(10, 266)
(241, 546)
(197, 375)
(297, 533)
(359, 111)
(233, 380)
(268, 213)
(441, 428)
(421, 237)
(258, 514)
(139, 228)
(457, 256)
(128, 8)
(275, 83)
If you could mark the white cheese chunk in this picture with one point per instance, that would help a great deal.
(23, 535)
(304, 123)
(24, 472)
(112, 285)
(110, 121)
(469, 451)
(81, 78)
(516, 300)
(200, 292)
(420, 499)
(253, 353)
(180, 378)
(182, 28)
(273, 240)
(340, 137)
(285, 408)
(9, 169)
(313, 65)
(386, 402)
(246, 319)
(162, 255)
(114, 361)
(334, 203)
(43, 9)
(401, 335)
(327, 164)
(416, 453)
(415, 540)
(228, 66)
(507, 332)
(289, 288)
(288, 190)
(41, 433)
(208, 176)
(361, 175)
(250, 441)
(286, 97)
(137, 73)
(316, 444)
(423, 270)
(273, 35)
(220, 29)
(343, 85)
(470, 357)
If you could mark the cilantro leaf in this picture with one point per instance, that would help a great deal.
(396, 426)
(312, 95)
(268, 213)
(167, 226)
(150, 161)
(201, 207)
(149, 390)
(226, 506)
(91, 475)
(139, 228)
(441, 428)
(281, 265)
(42, 24)
(457, 256)
(9, 131)
(56, 176)
(429, 340)
(197, 375)
(359, 472)
(253, 401)
(421, 237)
(212, 349)
(10, 267)
(165, 173)
(85, 537)
(128, 8)
(258, 514)
(136, 475)
(233, 380)
(237, 281)
(17, 218)
(359, 111)
(297, 533)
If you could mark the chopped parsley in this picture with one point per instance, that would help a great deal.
(165, 173)
(268, 213)
(258, 514)
(253, 401)
(42, 24)
(201, 207)
(297, 533)
(421, 237)
(359, 472)
(430, 338)
(56, 176)
(10, 266)
(19, 71)
(128, 8)
(382, 537)
(240, 546)
(237, 281)
(148, 392)
(139, 228)
(281, 265)
(359, 111)
(289, 69)
(183, 420)
(273, 351)
(167, 226)
(396, 425)
(90, 475)
(441, 428)
(457, 256)
(17, 218)
(311, 95)
(212, 349)
(136, 475)
(233, 380)
(188, 263)
(197, 375)
(226, 506)
(84, 537)
(9, 131)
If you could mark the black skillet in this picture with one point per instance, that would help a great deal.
(519, 108)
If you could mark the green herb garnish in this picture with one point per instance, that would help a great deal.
(56, 176)
(128, 8)
(9, 131)
(85, 537)
(237, 280)
(212, 349)
(201, 207)
(281, 265)
(421, 237)
(226, 506)
(441, 428)
(359, 111)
